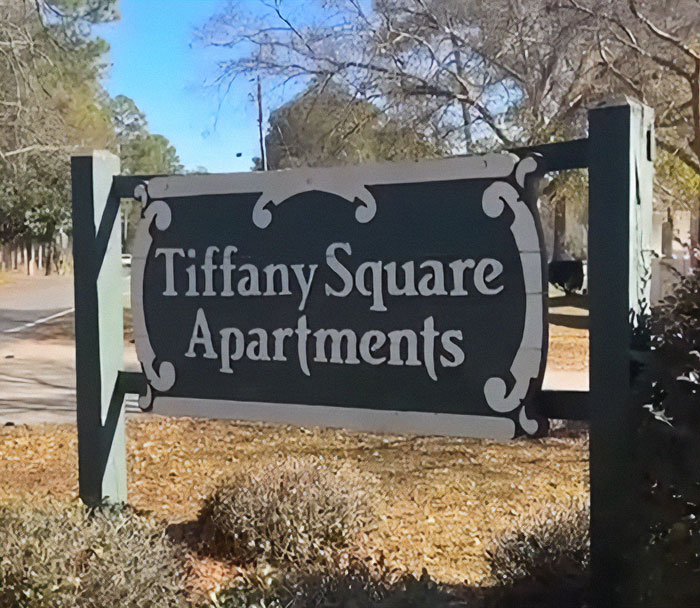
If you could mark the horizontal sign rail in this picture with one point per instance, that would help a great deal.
(558, 156)
(563, 405)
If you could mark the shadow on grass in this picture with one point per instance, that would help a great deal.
(358, 586)
(572, 321)
(571, 299)
(362, 583)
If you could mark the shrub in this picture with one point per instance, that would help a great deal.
(77, 558)
(547, 548)
(297, 512)
(663, 565)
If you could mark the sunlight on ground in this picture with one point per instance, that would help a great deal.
(439, 500)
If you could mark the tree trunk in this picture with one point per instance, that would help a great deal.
(29, 258)
(6, 257)
(559, 229)
(667, 236)
(49, 254)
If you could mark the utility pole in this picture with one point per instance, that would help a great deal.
(263, 157)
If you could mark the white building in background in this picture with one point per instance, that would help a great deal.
(673, 242)
(674, 237)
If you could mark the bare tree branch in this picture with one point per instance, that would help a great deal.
(681, 154)
(661, 34)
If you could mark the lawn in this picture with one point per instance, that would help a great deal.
(439, 501)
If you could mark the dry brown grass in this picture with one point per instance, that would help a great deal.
(568, 348)
(441, 500)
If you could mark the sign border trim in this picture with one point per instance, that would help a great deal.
(351, 183)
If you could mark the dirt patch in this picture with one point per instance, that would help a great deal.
(441, 499)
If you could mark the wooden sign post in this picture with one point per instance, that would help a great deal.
(398, 297)
(621, 149)
(99, 328)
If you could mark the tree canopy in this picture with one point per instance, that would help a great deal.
(52, 101)
(478, 74)
(326, 125)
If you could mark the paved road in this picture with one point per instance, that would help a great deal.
(28, 301)
(37, 351)
(25, 300)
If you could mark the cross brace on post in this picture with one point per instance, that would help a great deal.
(99, 330)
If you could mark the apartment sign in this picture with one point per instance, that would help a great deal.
(396, 297)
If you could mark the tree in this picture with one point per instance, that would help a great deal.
(652, 51)
(478, 74)
(326, 125)
(141, 152)
(128, 121)
(149, 154)
(51, 101)
(49, 98)
(470, 74)
(48, 76)
(426, 61)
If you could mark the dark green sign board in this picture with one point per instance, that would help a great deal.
(399, 297)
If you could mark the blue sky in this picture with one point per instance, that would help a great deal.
(156, 62)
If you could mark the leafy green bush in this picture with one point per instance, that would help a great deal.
(297, 512)
(664, 567)
(545, 550)
(76, 558)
